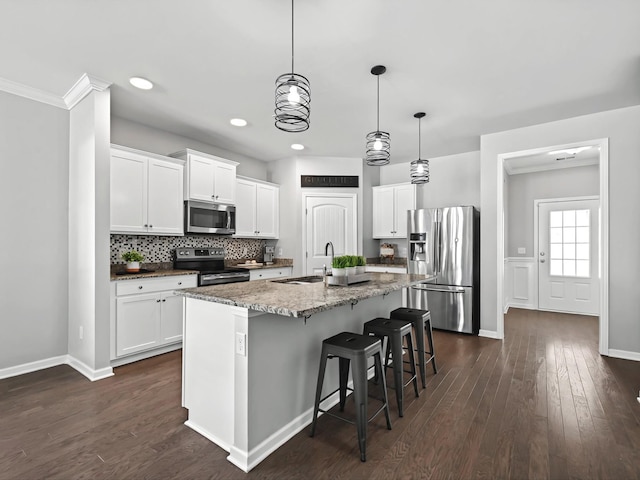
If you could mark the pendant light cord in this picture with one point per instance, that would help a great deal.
(378, 116)
(292, 36)
(419, 138)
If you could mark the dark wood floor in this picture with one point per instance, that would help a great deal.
(541, 404)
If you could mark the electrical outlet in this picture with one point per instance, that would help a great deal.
(280, 252)
(81, 332)
(241, 344)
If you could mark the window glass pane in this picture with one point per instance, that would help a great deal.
(569, 234)
(569, 251)
(582, 218)
(582, 234)
(582, 251)
(556, 234)
(569, 268)
(582, 268)
(555, 267)
(555, 251)
(569, 218)
(555, 219)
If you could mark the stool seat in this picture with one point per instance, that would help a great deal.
(421, 321)
(396, 331)
(352, 349)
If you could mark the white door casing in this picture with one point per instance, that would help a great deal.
(328, 218)
(567, 250)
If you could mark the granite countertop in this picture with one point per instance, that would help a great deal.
(299, 300)
(156, 273)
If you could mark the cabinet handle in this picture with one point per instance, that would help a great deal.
(213, 196)
(150, 226)
(140, 287)
(158, 301)
(164, 299)
(179, 283)
(145, 225)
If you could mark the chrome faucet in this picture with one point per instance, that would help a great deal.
(326, 251)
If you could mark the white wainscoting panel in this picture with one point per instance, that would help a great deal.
(520, 283)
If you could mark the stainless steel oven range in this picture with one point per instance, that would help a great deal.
(210, 263)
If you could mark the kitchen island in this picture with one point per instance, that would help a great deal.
(251, 354)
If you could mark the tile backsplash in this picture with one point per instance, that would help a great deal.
(158, 249)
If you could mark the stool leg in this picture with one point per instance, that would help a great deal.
(429, 331)
(316, 405)
(359, 375)
(344, 378)
(396, 351)
(418, 328)
(378, 365)
(412, 362)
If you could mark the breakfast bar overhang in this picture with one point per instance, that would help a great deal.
(251, 353)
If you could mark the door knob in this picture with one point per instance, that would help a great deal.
(542, 260)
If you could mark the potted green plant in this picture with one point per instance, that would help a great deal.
(352, 263)
(361, 263)
(133, 259)
(339, 266)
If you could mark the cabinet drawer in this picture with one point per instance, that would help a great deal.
(389, 269)
(151, 285)
(267, 273)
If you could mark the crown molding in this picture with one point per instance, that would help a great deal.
(31, 93)
(82, 88)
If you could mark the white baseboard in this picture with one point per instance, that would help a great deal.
(489, 334)
(74, 363)
(625, 355)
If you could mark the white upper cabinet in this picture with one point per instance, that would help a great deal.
(390, 205)
(208, 178)
(257, 209)
(146, 193)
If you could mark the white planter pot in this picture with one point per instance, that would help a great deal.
(339, 272)
(351, 271)
(360, 270)
(133, 267)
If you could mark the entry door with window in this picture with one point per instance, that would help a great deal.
(568, 276)
(329, 218)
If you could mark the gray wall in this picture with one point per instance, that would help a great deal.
(523, 189)
(136, 135)
(621, 128)
(34, 153)
(454, 180)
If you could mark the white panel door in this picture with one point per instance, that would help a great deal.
(128, 192)
(329, 219)
(201, 178)
(404, 200)
(165, 207)
(568, 276)
(383, 224)
(225, 183)
(138, 323)
(245, 208)
(171, 318)
(267, 211)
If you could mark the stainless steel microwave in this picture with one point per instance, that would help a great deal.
(201, 217)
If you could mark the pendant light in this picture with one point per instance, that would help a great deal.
(419, 167)
(378, 143)
(293, 98)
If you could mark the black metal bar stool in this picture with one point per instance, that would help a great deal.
(396, 332)
(354, 349)
(421, 320)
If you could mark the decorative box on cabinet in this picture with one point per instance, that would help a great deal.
(146, 193)
(257, 209)
(147, 316)
(390, 205)
(208, 178)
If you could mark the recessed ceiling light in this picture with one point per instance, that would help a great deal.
(238, 122)
(297, 146)
(141, 83)
(570, 151)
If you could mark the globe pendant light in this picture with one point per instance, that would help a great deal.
(293, 98)
(378, 143)
(419, 167)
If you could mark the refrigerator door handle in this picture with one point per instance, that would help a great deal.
(437, 248)
(436, 288)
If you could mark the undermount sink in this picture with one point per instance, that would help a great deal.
(300, 280)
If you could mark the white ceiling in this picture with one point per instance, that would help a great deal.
(474, 67)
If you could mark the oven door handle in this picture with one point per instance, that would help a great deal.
(221, 276)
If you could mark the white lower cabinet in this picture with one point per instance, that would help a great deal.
(147, 315)
(386, 269)
(266, 273)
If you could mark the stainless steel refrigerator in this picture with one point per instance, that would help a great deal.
(445, 243)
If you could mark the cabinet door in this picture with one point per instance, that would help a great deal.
(383, 212)
(246, 208)
(201, 178)
(165, 207)
(267, 211)
(225, 183)
(128, 192)
(171, 318)
(137, 323)
(404, 200)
